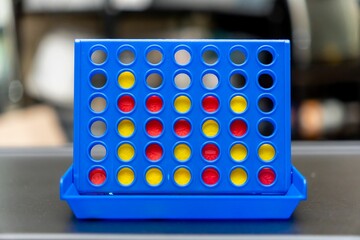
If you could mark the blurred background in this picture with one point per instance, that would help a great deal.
(36, 56)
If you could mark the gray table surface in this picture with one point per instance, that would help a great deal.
(30, 206)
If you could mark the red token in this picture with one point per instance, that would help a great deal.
(210, 176)
(210, 152)
(97, 176)
(210, 104)
(182, 128)
(267, 176)
(154, 127)
(238, 128)
(154, 104)
(154, 152)
(126, 103)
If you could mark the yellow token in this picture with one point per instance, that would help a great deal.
(126, 176)
(182, 176)
(182, 104)
(210, 128)
(126, 152)
(182, 152)
(126, 128)
(154, 176)
(238, 152)
(238, 176)
(126, 80)
(266, 152)
(238, 104)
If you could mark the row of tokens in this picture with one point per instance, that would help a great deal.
(182, 176)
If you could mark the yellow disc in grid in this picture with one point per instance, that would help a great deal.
(182, 104)
(238, 152)
(182, 176)
(238, 176)
(266, 152)
(154, 176)
(210, 128)
(182, 152)
(238, 104)
(126, 176)
(126, 152)
(126, 80)
(126, 128)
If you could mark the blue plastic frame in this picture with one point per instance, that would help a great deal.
(168, 200)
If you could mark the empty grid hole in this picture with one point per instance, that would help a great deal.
(98, 152)
(210, 80)
(237, 57)
(98, 56)
(266, 81)
(266, 104)
(238, 80)
(98, 80)
(182, 81)
(154, 80)
(98, 104)
(265, 57)
(98, 128)
(182, 57)
(266, 128)
(127, 56)
(154, 56)
(210, 56)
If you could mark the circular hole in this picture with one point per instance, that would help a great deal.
(266, 80)
(238, 128)
(182, 152)
(154, 128)
(154, 104)
(154, 152)
(238, 177)
(266, 128)
(182, 104)
(267, 176)
(266, 152)
(98, 128)
(154, 80)
(98, 80)
(127, 57)
(210, 57)
(97, 176)
(126, 152)
(238, 104)
(210, 176)
(126, 176)
(238, 80)
(98, 152)
(98, 56)
(182, 128)
(182, 57)
(210, 104)
(126, 128)
(154, 176)
(126, 80)
(265, 57)
(210, 128)
(266, 104)
(182, 176)
(210, 80)
(126, 103)
(154, 57)
(210, 152)
(238, 152)
(237, 57)
(182, 80)
(98, 104)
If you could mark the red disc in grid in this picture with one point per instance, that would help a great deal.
(238, 128)
(154, 103)
(154, 127)
(210, 152)
(182, 128)
(210, 104)
(126, 103)
(154, 152)
(267, 176)
(97, 176)
(210, 176)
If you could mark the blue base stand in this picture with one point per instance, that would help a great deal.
(183, 206)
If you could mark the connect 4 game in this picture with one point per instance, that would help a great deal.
(182, 129)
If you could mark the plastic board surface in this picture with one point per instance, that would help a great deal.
(182, 117)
